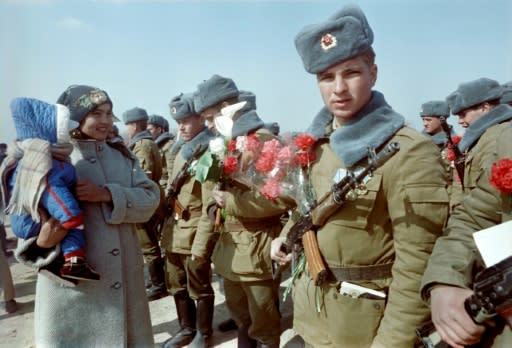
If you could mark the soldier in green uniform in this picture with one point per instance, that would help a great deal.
(189, 244)
(159, 129)
(144, 148)
(433, 113)
(449, 277)
(477, 104)
(382, 240)
(242, 253)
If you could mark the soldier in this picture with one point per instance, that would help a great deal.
(507, 93)
(242, 253)
(189, 245)
(142, 145)
(449, 277)
(433, 115)
(477, 104)
(382, 240)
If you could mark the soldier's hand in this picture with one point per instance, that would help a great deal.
(51, 232)
(277, 254)
(450, 318)
(220, 197)
(90, 192)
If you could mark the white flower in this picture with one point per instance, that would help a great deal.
(224, 124)
(218, 147)
(241, 143)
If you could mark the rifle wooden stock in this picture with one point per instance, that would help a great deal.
(316, 265)
(218, 219)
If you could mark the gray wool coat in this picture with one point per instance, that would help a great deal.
(114, 311)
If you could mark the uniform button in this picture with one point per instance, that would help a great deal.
(129, 204)
(116, 285)
(100, 147)
(92, 160)
(335, 296)
(115, 252)
(376, 306)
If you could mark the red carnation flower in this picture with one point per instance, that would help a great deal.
(456, 139)
(232, 145)
(501, 175)
(253, 143)
(304, 141)
(271, 189)
(230, 164)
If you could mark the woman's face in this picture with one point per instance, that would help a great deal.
(98, 122)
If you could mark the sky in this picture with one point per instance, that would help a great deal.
(143, 53)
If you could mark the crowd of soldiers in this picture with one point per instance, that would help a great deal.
(404, 243)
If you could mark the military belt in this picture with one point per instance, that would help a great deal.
(251, 225)
(372, 272)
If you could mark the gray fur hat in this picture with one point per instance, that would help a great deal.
(182, 106)
(435, 108)
(213, 91)
(158, 121)
(273, 127)
(135, 114)
(472, 93)
(507, 93)
(344, 35)
(248, 97)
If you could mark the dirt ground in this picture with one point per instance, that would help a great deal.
(17, 331)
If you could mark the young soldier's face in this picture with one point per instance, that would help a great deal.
(432, 124)
(346, 87)
(209, 115)
(468, 116)
(154, 130)
(190, 126)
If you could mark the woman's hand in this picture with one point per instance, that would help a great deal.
(88, 191)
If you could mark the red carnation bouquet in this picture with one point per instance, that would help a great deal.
(501, 175)
(281, 167)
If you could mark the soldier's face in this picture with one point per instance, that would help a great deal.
(154, 130)
(432, 124)
(98, 123)
(190, 126)
(209, 115)
(468, 116)
(346, 87)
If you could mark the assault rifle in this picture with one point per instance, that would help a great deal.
(459, 157)
(492, 296)
(305, 228)
(172, 203)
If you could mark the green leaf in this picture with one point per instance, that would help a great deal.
(203, 166)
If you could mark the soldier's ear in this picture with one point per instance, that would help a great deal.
(374, 72)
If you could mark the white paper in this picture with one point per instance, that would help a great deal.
(494, 243)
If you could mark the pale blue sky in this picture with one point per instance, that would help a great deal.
(145, 52)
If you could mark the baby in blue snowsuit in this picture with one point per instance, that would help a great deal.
(38, 174)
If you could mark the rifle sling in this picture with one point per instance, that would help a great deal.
(373, 272)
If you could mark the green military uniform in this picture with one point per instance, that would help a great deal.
(454, 260)
(188, 239)
(393, 226)
(479, 149)
(242, 253)
(383, 239)
(146, 151)
(440, 109)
